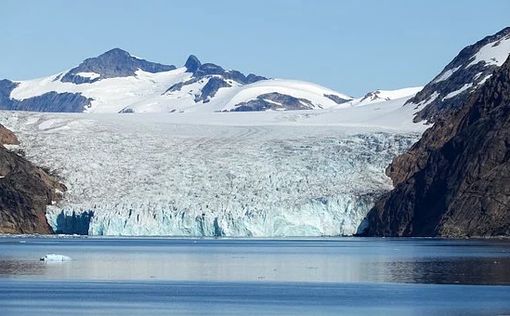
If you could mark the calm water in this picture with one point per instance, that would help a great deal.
(352, 276)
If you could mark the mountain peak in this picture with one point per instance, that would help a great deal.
(114, 53)
(116, 50)
(467, 72)
(113, 63)
(192, 64)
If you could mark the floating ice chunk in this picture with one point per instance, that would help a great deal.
(55, 258)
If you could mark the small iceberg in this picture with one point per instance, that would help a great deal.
(55, 258)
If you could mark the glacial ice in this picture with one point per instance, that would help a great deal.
(55, 258)
(265, 175)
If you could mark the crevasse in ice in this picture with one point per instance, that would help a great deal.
(147, 175)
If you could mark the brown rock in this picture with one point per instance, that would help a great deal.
(25, 191)
(7, 137)
(456, 180)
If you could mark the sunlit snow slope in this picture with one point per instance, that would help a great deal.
(302, 173)
(118, 82)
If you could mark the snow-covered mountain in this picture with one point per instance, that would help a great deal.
(468, 71)
(198, 171)
(378, 96)
(118, 82)
(201, 166)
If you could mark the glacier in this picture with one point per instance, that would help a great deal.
(267, 174)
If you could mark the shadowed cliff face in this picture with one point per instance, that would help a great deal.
(456, 180)
(25, 191)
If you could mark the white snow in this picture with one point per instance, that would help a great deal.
(48, 124)
(11, 147)
(110, 95)
(446, 74)
(306, 173)
(494, 53)
(385, 95)
(484, 79)
(90, 75)
(427, 101)
(459, 91)
(227, 98)
(147, 92)
(55, 258)
(298, 89)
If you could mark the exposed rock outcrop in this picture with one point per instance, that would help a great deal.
(337, 99)
(456, 180)
(7, 137)
(47, 102)
(462, 76)
(209, 90)
(25, 191)
(204, 71)
(192, 63)
(114, 63)
(274, 101)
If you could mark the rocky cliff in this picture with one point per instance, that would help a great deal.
(456, 180)
(468, 71)
(25, 191)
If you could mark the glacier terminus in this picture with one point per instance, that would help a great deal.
(260, 174)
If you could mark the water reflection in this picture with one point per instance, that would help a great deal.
(315, 260)
(488, 271)
(15, 267)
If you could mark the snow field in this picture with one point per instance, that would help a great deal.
(310, 173)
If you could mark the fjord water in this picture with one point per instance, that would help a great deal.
(353, 276)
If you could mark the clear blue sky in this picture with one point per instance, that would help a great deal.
(352, 46)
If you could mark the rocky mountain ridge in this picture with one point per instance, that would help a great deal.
(459, 186)
(468, 71)
(116, 81)
(25, 191)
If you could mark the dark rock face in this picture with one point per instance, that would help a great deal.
(6, 87)
(458, 74)
(215, 76)
(273, 101)
(52, 102)
(127, 110)
(239, 77)
(201, 71)
(192, 64)
(373, 96)
(456, 180)
(337, 99)
(25, 191)
(208, 69)
(210, 89)
(113, 63)
(179, 85)
(48, 102)
(251, 78)
(205, 70)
